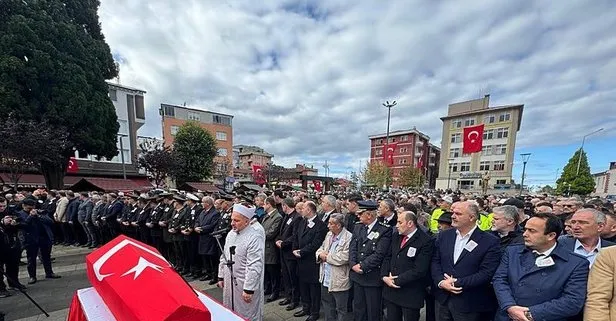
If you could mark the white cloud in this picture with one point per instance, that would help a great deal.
(306, 79)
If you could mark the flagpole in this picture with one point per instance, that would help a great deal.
(388, 105)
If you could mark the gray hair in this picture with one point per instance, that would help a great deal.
(208, 200)
(597, 215)
(510, 212)
(261, 196)
(330, 200)
(338, 218)
(390, 204)
(473, 209)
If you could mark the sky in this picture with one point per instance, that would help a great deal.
(305, 80)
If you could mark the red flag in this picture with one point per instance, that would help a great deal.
(420, 162)
(317, 185)
(473, 139)
(137, 283)
(257, 174)
(72, 167)
(388, 153)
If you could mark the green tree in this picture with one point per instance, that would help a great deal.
(571, 182)
(377, 173)
(547, 189)
(158, 163)
(194, 149)
(411, 177)
(53, 64)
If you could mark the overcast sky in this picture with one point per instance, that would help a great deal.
(305, 79)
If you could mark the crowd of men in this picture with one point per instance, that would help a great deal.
(351, 256)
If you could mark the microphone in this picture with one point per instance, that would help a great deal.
(221, 231)
(232, 250)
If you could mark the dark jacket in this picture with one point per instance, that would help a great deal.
(512, 238)
(474, 270)
(392, 222)
(569, 243)
(208, 221)
(308, 240)
(288, 229)
(72, 210)
(37, 229)
(368, 249)
(271, 225)
(114, 210)
(84, 211)
(411, 264)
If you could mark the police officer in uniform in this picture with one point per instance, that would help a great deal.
(156, 233)
(129, 211)
(175, 229)
(191, 246)
(143, 232)
(370, 244)
(165, 220)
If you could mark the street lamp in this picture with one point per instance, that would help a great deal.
(449, 174)
(122, 154)
(525, 158)
(582, 148)
(388, 105)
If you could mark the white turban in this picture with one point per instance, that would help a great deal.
(244, 211)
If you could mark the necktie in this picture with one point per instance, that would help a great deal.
(404, 239)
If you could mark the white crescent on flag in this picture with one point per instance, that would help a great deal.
(141, 265)
(473, 133)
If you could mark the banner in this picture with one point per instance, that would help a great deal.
(257, 174)
(473, 139)
(388, 153)
(72, 167)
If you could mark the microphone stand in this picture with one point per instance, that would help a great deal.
(229, 263)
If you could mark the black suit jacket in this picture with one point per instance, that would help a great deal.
(288, 231)
(307, 241)
(208, 221)
(392, 222)
(369, 253)
(411, 264)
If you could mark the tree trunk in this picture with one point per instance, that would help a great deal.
(54, 174)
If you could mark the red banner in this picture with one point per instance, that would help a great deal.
(388, 153)
(420, 161)
(257, 174)
(473, 139)
(72, 167)
(137, 283)
(317, 185)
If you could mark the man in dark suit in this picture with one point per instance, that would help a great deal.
(271, 224)
(406, 269)
(208, 248)
(328, 204)
(310, 235)
(586, 225)
(370, 244)
(387, 212)
(112, 213)
(191, 238)
(288, 231)
(463, 264)
(540, 280)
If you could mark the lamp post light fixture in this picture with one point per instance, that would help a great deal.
(121, 136)
(525, 158)
(577, 172)
(388, 105)
(449, 172)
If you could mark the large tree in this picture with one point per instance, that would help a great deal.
(573, 182)
(194, 149)
(158, 163)
(411, 177)
(377, 173)
(53, 64)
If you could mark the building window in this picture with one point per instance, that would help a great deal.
(168, 111)
(500, 149)
(220, 119)
(465, 167)
(456, 124)
(392, 140)
(404, 149)
(379, 152)
(488, 134)
(404, 138)
(499, 165)
(502, 133)
(486, 150)
(113, 94)
(222, 152)
(402, 161)
(484, 166)
(504, 117)
(379, 142)
(221, 136)
(174, 130)
(139, 107)
(454, 167)
(193, 116)
(454, 152)
(489, 119)
(456, 138)
(501, 181)
(469, 122)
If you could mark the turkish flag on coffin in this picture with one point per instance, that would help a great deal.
(473, 139)
(137, 284)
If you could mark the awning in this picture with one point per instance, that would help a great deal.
(111, 184)
(36, 180)
(199, 186)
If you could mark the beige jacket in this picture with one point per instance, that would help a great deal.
(339, 261)
(60, 214)
(600, 300)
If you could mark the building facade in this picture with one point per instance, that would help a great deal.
(412, 149)
(605, 182)
(219, 125)
(252, 155)
(130, 110)
(495, 162)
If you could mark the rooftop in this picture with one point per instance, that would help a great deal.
(125, 88)
(487, 111)
(195, 109)
(401, 132)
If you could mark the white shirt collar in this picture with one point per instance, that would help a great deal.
(412, 233)
(467, 234)
(388, 218)
(371, 225)
(311, 219)
(548, 251)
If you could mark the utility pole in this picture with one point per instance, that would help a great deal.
(577, 172)
(388, 105)
(122, 154)
(525, 158)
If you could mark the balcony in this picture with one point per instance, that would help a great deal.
(432, 164)
(432, 154)
(419, 143)
(418, 154)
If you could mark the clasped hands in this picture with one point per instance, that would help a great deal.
(389, 280)
(447, 284)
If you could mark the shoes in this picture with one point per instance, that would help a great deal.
(86, 245)
(77, 244)
(284, 302)
(185, 273)
(65, 243)
(18, 287)
(272, 297)
(32, 281)
(204, 278)
(4, 294)
(312, 318)
(93, 246)
(291, 307)
(52, 276)
(212, 282)
(300, 313)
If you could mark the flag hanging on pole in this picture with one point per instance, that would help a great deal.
(473, 139)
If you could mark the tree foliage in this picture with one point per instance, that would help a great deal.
(158, 163)
(25, 144)
(547, 189)
(571, 182)
(411, 177)
(222, 168)
(194, 149)
(53, 64)
(377, 173)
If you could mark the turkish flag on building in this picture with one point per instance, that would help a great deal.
(388, 153)
(473, 139)
(137, 283)
(257, 174)
(72, 167)
(420, 161)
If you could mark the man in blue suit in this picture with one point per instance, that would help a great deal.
(463, 264)
(541, 280)
(586, 225)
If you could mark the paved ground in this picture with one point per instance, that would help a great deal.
(55, 295)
